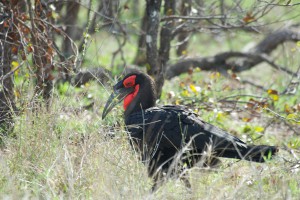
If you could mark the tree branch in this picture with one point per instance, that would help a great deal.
(172, 17)
(223, 61)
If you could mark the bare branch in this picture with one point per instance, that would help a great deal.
(121, 44)
(172, 17)
(2, 78)
(221, 62)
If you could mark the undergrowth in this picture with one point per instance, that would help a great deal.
(68, 151)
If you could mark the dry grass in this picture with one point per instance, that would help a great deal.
(58, 154)
(67, 153)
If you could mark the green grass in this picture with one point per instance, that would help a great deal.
(67, 152)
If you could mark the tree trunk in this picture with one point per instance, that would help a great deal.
(157, 60)
(43, 50)
(71, 27)
(153, 18)
(140, 58)
(186, 6)
(72, 11)
(9, 31)
(165, 45)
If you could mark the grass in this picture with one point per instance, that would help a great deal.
(69, 152)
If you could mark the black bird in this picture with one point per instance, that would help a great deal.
(169, 136)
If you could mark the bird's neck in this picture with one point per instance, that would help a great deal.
(141, 99)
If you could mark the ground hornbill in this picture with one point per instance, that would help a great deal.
(172, 136)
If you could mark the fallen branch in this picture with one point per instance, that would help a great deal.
(99, 74)
(242, 61)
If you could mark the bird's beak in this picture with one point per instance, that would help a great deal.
(116, 97)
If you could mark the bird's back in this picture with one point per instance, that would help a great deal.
(167, 129)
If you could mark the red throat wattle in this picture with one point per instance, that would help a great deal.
(129, 98)
(130, 82)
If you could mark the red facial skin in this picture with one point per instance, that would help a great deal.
(130, 82)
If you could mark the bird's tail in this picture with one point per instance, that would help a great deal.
(259, 153)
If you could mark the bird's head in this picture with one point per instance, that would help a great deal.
(137, 92)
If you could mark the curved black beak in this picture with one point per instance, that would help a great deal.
(116, 97)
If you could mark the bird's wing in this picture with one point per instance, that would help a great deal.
(156, 126)
(174, 126)
(202, 132)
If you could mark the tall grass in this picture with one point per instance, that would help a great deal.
(70, 153)
(67, 152)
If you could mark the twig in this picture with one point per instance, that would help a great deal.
(11, 72)
(241, 95)
(291, 127)
(288, 87)
(282, 5)
(171, 17)
(265, 58)
(81, 4)
(280, 116)
(121, 45)
(253, 84)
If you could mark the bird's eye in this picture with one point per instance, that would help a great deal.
(128, 84)
(129, 81)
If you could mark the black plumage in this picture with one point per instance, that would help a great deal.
(168, 136)
(161, 132)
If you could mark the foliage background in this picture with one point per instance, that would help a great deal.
(60, 147)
